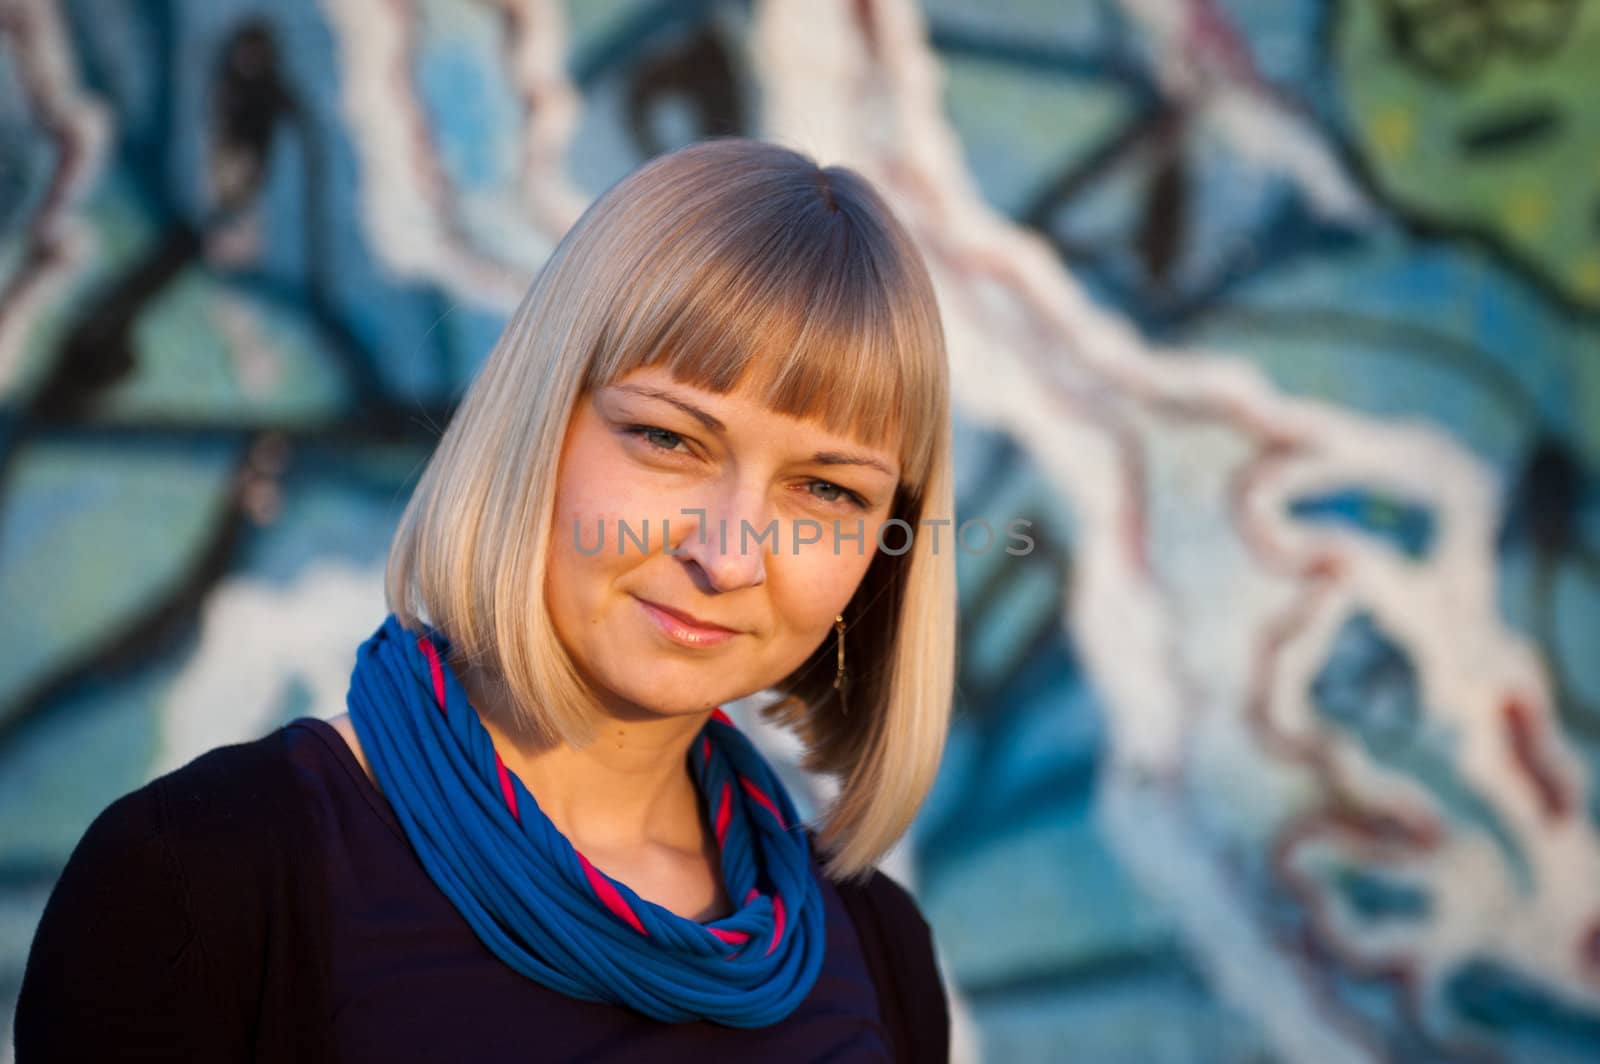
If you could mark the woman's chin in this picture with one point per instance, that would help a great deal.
(666, 700)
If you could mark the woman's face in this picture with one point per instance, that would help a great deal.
(758, 567)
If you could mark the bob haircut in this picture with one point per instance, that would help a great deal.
(736, 265)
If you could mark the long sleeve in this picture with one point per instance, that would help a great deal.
(117, 970)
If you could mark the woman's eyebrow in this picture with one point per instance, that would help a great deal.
(667, 397)
(841, 458)
(712, 423)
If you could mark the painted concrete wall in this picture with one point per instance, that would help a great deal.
(1280, 319)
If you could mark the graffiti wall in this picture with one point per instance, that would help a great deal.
(1279, 319)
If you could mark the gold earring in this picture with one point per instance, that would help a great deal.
(838, 677)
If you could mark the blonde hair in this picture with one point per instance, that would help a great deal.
(733, 264)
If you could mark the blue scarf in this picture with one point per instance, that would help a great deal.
(540, 906)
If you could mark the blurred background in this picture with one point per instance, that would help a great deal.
(1279, 319)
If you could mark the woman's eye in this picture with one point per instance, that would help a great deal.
(834, 493)
(666, 441)
(660, 439)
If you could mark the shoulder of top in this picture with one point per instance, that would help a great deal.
(209, 799)
(893, 900)
(231, 781)
(267, 754)
(200, 838)
(898, 945)
(175, 886)
(885, 895)
(890, 907)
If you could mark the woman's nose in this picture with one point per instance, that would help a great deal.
(727, 542)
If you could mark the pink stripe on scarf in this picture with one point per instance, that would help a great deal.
(609, 894)
(724, 812)
(759, 795)
(438, 672)
(506, 790)
(777, 922)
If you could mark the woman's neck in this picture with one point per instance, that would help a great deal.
(629, 788)
(626, 801)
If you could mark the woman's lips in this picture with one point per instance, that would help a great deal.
(680, 629)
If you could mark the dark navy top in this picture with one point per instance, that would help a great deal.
(411, 981)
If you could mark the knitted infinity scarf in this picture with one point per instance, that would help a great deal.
(545, 910)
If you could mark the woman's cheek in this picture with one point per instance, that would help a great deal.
(586, 519)
(825, 581)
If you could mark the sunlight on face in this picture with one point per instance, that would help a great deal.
(645, 450)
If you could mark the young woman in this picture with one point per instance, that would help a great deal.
(691, 470)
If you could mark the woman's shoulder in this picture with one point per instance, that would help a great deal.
(213, 830)
(890, 898)
(897, 943)
(887, 918)
(166, 885)
(225, 788)
(228, 797)
(209, 840)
